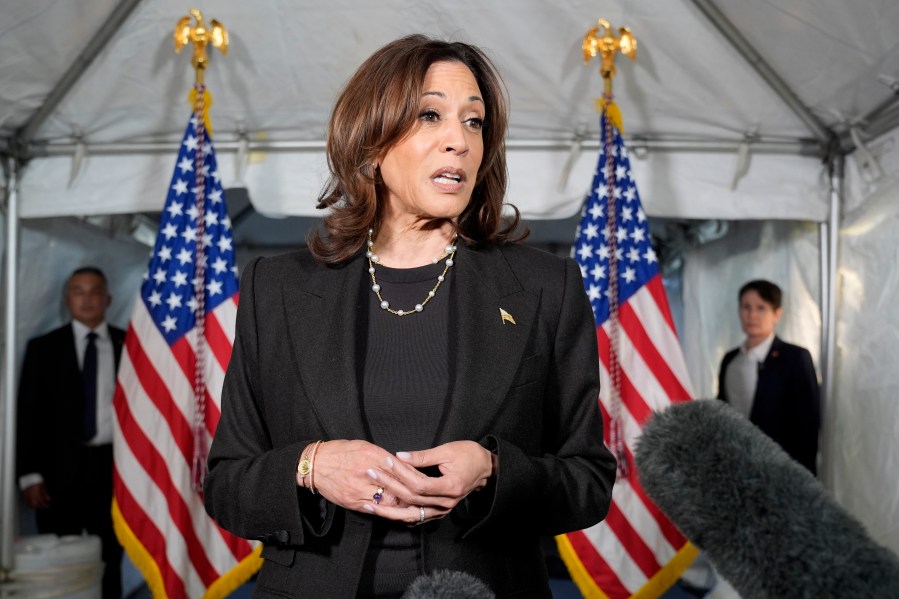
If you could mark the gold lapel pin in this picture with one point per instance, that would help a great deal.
(506, 316)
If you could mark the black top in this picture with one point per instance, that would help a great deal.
(404, 394)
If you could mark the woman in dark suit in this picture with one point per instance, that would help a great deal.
(415, 391)
(770, 381)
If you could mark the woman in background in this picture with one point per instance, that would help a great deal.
(771, 382)
(415, 391)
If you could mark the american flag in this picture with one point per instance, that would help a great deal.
(635, 551)
(168, 397)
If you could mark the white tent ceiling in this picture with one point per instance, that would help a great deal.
(791, 78)
(690, 88)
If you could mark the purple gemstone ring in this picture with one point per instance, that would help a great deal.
(378, 496)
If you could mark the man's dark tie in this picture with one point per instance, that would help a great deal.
(89, 378)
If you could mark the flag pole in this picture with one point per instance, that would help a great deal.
(635, 551)
(201, 37)
(602, 40)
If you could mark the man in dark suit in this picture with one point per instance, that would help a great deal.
(64, 453)
(771, 382)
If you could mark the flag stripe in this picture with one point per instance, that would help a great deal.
(671, 534)
(593, 561)
(630, 538)
(656, 288)
(609, 546)
(650, 353)
(156, 465)
(186, 359)
(157, 392)
(138, 477)
(217, 337)
(150, 536)
(652, 314)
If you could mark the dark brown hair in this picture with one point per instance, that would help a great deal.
(377, 108)
(767, 290)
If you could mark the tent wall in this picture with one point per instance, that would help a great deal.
(862, 419)
(672, 184)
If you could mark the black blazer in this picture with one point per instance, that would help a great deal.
(787, 404)
(51, 408)
(529, 391)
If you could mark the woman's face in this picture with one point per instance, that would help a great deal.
(757, 316)
(431, 172)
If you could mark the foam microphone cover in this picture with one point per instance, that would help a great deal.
(448, 584)
(764, 521)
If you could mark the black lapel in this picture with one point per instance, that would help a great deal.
(323, 312)
(488, 350)
(767, 379)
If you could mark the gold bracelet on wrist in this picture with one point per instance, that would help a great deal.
(311, 467)
(304, 466)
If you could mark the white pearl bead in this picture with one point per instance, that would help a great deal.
(368, 254)
(440, 278)
(376, 288)
(449, 262)
(400, 313)
(374, 257)
(371, 270)
(385, 304)
(449, 249)
(419, 307)
(370, 243)
(371, 231)
(430, 294)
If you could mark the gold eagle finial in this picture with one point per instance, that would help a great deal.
(602, 40)
(201, 36)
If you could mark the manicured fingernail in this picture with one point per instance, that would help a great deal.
(389, 462)
(404, 455)
(373, 474)
(367, 507)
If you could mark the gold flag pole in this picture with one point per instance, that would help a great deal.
(602, 40)
(201, 100)
(201, 37)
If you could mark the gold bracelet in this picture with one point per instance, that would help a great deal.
(304, 466)
(311, 465)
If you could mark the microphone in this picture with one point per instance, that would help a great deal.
(448, 584)
(764, 521)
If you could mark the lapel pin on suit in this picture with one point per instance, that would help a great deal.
(506, 317)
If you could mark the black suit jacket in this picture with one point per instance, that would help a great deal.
(529, 391)
(787, 404)
(51, 408)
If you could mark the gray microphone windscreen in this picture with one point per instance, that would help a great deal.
(448, 584)
(763, 520)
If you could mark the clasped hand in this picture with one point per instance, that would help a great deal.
(349, 473)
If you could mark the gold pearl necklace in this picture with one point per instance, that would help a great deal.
(449, 250)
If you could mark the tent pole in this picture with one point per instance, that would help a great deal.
(829, 241)
(755, 60)
(97, 43)
(8, 395)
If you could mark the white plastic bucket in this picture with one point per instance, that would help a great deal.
(47, 567)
